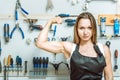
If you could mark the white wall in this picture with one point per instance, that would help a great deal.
(36, 8)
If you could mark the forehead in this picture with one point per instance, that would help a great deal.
(84, 22)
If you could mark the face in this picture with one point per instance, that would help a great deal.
(84, 29)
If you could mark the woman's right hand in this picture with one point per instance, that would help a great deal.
(57, 20)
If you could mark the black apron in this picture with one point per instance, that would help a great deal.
(87, 68)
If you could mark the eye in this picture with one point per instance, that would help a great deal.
(90, 27)
(81, 27)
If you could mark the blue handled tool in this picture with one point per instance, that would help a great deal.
(19, 6)
(62, 15)
(54, 32)
(17, 27)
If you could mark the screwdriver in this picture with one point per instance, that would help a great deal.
(116, 56)
(5, 65)
(25, 67)
(20, 63)
(34, 64)
(54, 32)
(46, 65)
(17, 64)
(40, 64)
(11, 63)
(8, 61)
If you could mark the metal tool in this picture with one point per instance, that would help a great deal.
(17, 27)
(49, 5)
(54, 33)
(70, 22)
(17, 7)
(32, 26)
(26, 67)
(108, 43)
(63, 15)
(103, 26)
(11, 64)
(6, 32)
(46, 64)
(5, 68)
(116, 57)
(40, 65)
(56, 66)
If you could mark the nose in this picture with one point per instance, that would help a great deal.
(85, 31)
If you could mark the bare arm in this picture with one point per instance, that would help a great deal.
(108, 72)
(52, 46)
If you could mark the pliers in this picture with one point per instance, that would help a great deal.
(18, 6)
(17, 26)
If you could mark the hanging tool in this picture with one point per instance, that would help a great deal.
(116, 27)
(8, 62)
(0, 57)
(32, 26)
(108, 43)
(56, 66)
(116, 57)
(49, 5)
(5, 68)
(18, 64)
(11, 64)
(70, 22)
(17, 26)
(8, 65)
(54, 33)
(34, 65)
(6, 32)
(46, 65)
(63, 15)
(40, 65)
(103, 26)
(17, 7)
(26, 67)
(43, 66)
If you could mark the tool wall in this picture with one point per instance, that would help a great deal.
(22, 20)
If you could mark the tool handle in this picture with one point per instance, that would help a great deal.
(63, 15)
(12, 32)
(116, 53)
(25, 66)
(22, 33)
(54, 30)
(16, 15)
(24, 11)
(8, 60)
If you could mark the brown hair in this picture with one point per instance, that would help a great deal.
(85, 15)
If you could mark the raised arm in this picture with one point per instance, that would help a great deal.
(108, 72)
(52, 46)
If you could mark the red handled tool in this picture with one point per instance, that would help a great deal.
(116, 57)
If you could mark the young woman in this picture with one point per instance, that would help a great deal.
(88, 59)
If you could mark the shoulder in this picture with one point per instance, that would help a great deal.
(104, 49)
(68, 46)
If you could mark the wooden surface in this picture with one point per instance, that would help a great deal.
(109, 18)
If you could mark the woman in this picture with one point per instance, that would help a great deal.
(88, 58)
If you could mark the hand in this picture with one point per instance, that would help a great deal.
(57, 20)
